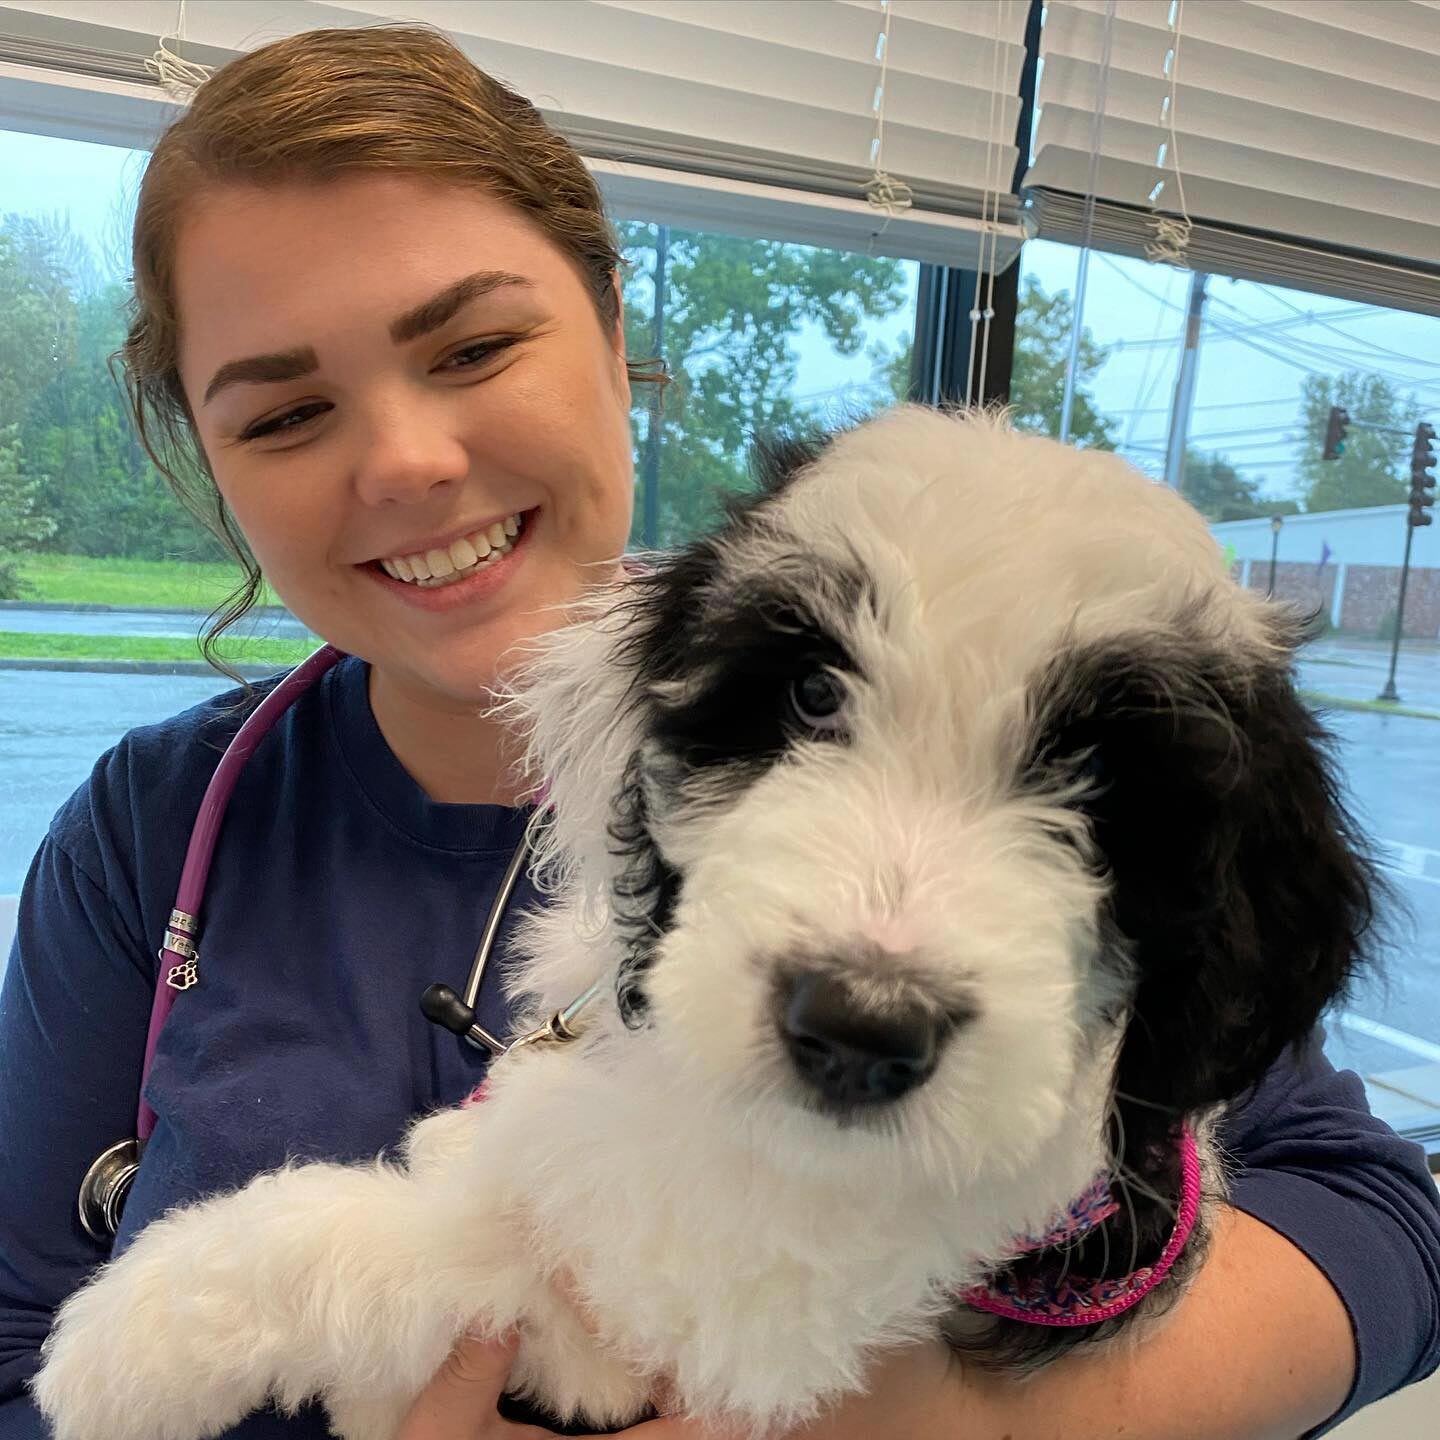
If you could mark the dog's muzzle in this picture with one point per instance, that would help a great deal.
(852, 1053)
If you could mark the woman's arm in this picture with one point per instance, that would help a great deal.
(1260, 1349)
(74, 1007)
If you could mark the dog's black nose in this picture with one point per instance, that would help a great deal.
(854, 1055)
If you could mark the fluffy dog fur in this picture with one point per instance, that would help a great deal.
(1070, 808)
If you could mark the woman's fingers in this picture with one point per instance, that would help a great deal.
(460, 1402)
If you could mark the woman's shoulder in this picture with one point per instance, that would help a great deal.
(154, 776)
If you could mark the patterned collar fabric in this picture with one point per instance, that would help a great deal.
(1074, 1300)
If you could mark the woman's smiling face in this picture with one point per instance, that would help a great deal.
(382, 369)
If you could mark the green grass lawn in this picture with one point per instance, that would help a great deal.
(129, 584)
(1372, 707)
(18, 645)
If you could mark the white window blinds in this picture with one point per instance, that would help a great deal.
(1306, 137)
(750, 115)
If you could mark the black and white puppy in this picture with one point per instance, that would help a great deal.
(945, 832)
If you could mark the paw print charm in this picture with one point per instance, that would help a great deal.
(182, 977)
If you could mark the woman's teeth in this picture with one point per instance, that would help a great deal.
(456, 561)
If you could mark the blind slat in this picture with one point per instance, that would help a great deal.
(776, 97)
(1315, 124)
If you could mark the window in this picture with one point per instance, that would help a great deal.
(757, 335)
(1328, 535)
(101, 572)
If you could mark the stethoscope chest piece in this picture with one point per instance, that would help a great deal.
(104, 1189)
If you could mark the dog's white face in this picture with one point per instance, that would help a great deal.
(941, 763)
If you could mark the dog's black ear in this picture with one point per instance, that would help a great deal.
(1248, 906)
(777, 457)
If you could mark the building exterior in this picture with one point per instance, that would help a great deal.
(1344, 564)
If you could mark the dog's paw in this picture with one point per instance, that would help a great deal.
(126, 1361)
(107, 1372)
(366, 1417)
(562, 1367)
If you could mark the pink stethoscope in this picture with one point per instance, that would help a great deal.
(107, 1182)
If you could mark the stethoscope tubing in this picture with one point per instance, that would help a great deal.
(107, 1182)
(201, 850)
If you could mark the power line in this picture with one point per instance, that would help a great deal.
(1256, 327)
(1330, 358)
(1216, 405)
(1286, 428)
(1147, 383)
(1289, 442)
(1129, 279)
(1369, 310)
(1329, 355)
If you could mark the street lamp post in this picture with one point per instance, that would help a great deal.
(1277, 524)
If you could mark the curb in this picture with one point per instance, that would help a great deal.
(275, 612)
(143, 667)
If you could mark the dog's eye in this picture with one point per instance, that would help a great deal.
(817, 700)
(1093, 768)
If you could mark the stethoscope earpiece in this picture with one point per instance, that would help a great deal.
(106, 1187)
(441, 1006)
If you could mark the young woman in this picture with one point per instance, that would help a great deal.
(377, 334)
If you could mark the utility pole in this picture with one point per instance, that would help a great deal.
(1422, 498)
(1185, 387)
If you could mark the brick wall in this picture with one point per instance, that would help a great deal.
(1297, 583)
(1371, 592)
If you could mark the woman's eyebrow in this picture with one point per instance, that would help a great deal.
(282, 365)
(271, 369)
(434, 312)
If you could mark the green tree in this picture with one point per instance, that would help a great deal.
(1220, 492)
(37, 316)
(1037, 378)
(1369, 472)
(60, 324)
(892, 372)
(23, 524)
(733, 308)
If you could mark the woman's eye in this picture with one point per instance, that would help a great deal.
(817, 700)
(468, 357)
(284, 424)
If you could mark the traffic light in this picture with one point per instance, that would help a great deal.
(1422, 480)
(1335, 428)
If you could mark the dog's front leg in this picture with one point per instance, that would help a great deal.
(305, 1277)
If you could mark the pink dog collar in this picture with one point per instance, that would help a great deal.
(1064, 1300)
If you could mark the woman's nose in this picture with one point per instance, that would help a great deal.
(406, 455)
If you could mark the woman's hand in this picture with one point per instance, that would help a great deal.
(915, 1393)
(1259, 1349)
(460, 1402)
